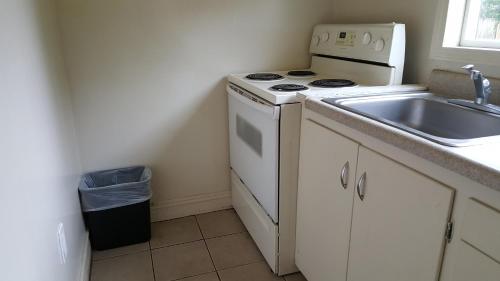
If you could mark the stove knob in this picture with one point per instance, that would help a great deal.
(325, 37)
(316, 40)
(379, 45)
(367, 38)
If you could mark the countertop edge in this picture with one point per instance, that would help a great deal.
(438, 154)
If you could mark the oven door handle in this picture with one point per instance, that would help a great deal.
(271, 110)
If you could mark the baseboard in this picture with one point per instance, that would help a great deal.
(192, 205)
(85, 260)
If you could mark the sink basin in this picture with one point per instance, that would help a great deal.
(427, 116)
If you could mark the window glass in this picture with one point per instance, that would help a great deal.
(482, 23)
(249, 134)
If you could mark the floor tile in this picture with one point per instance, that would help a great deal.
(99, 255)
(180, 261)
(295, 277)
(220, 223)
(233, 250)
(131, 267)
(204, 277)
(251, 272)
(172, 232)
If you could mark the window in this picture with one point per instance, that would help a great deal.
(467, 32)
(481, 24)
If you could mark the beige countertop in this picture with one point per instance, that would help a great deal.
(480, 163)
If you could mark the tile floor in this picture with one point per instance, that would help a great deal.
(208, 247)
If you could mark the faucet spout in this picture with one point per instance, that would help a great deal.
(482, 85)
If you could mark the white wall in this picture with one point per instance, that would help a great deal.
(148, 79)
(38, 153)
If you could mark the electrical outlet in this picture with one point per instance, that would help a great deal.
(61, 240)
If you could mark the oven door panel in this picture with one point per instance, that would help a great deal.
(254, 147)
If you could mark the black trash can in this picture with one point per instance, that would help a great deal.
(115, 206)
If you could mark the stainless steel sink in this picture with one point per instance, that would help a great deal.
(427, 116)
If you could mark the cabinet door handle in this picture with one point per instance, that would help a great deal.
(361, 187)
(344, 175)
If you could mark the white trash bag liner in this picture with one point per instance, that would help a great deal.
(114, 188)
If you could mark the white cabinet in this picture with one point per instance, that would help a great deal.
(398, 229)
(395, 233)
(324, 205)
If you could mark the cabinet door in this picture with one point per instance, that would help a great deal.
(324, 205)
(398, 228)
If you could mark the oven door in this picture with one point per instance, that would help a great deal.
(254, 146)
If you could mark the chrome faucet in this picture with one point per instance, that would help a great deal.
(483, 87)
(483, 92)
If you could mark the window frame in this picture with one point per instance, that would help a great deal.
(446, 37)
(486, 44)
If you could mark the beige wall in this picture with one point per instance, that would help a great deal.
(148, 76)
(38, 151)
(418, 15)
(148, 79)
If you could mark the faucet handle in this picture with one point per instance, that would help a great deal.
(473, 72)
(469, 67)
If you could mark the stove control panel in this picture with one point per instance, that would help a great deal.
(345, 38)
(381, 43)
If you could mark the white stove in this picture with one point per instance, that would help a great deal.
(369, 55)
(264, 89)
(264, 124)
